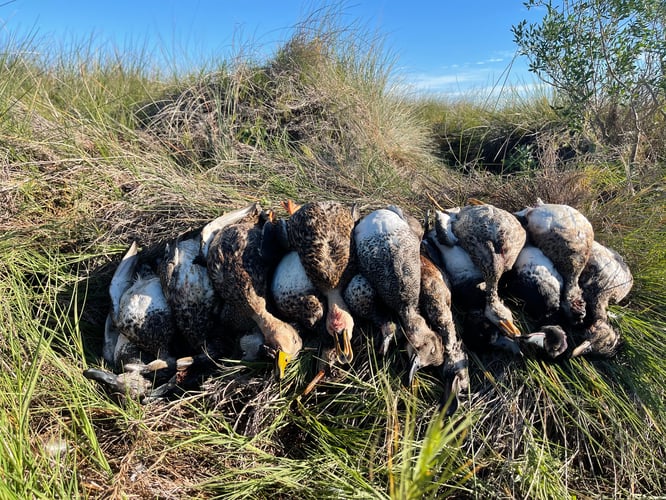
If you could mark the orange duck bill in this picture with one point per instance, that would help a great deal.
(509, 328)
(343, 347)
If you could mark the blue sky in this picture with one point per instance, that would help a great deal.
(440, 46)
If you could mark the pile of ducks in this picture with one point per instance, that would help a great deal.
(252, 285)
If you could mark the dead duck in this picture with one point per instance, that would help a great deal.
(435, 305)
(321, 234)
(187, 286)
(239, 266)
(139, 309)
(138, 333)
(493, 239)
(189, 292)
(535, 281)
(605, 279)
(565, 236)
(388, 254)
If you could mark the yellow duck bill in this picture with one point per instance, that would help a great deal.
(282, 359)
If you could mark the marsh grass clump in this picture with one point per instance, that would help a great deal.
(316, 111)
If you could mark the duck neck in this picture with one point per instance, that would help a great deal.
(338, 316)
(267, 323)
(412, 320)
(334, 296)
(597, 309)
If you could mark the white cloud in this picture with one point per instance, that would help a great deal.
(477, 80)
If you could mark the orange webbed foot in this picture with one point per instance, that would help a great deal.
(290, 206)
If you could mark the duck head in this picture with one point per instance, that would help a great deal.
(425, 348)
(284, 346)
(601, 340)
(501, 316)
(574, 306)
(551, 341)
(340, 325)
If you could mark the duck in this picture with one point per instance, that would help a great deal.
(388, 253)
(321, 234)
(535, 281)
(138, 331)
(435, 305)
(605, 279)
(139, 309)
(493, 239)
(187, 285)
(239, 265)
(565, 236)
(189, 291)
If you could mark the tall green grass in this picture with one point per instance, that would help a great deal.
(98, 152)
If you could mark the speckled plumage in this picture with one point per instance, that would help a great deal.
(295, 297)
(139, 309)
(364, 303)
(240, 273)
(605, 279)
(493, 239)
(321, 233)
(388, 252)
(565, 236)
(189, 291)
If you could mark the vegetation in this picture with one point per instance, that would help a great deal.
(100, 151)
(606, 60)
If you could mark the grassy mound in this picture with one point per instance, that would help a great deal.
(97, 153)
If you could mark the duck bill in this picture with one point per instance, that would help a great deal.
(581, 349)
(343, 347)
(536, 339)
(108, 378)
(509, 328)
(449, 401)
(415, 366)
(281, 361)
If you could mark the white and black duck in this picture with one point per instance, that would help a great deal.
(565, 236)
(388, 254)
(605, 279)
(493, 239)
